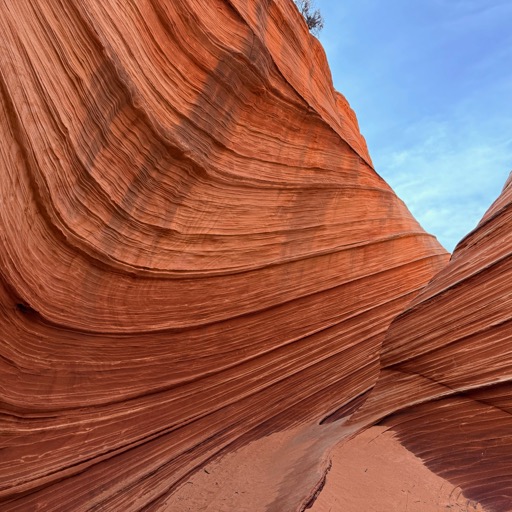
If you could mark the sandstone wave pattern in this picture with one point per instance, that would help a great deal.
(198, 260)
(447, 366)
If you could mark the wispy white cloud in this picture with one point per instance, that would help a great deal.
(431, 83)
(447, 179)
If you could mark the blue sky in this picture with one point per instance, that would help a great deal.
(431, 84)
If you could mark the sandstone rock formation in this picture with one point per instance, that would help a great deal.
(197, 254)
(445, 386)
(453, 344)
(196, 250)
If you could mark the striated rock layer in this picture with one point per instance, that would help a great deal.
(453, 345)
(195, 249)
(198, 259)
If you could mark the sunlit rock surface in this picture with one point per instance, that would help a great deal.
(198, 259)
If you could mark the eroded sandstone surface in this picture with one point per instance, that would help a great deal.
(447, 362)
(198, 260)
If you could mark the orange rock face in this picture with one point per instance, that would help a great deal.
(197, 257)
(195, 249)
(453, 344)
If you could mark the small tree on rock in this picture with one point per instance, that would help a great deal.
(314, 19)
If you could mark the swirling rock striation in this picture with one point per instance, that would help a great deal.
(447, 366)
(195, 248)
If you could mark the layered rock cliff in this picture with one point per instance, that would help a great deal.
(196, 250)
(197, 254)
(453, 345)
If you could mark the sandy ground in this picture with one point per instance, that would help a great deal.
(273, 474)
(374, 473)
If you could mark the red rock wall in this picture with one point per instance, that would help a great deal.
(454, 335)
(452, 349)
(195, 249)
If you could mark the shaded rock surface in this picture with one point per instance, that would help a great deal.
(452, 348)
